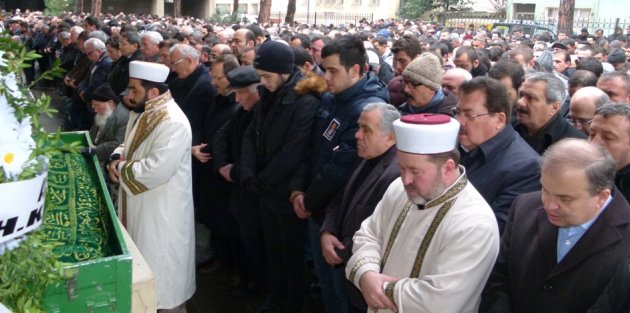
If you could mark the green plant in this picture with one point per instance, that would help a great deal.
(22, 136)
(25, 271)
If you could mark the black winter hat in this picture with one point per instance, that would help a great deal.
(105, 93)
(274, 57)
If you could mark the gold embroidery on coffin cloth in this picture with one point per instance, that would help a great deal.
(458, 187)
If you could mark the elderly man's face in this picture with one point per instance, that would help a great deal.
(418, 95)
(149, 49)
(247, 96)
(401, 60)
(532, 109)
(612, 133)
(421, 177)
(476, 124)
(103, 108)
(615, 89)
(567, 199)
(92, 54)
(371, 141)
(451, 81)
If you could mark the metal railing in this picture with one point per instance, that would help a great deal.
(325, 18)
(592, 24)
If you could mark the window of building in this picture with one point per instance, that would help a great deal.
(224, 8)
(578, 15)
(524, 11)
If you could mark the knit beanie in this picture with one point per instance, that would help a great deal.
(104, 93)
(274, 57)
(425, 70)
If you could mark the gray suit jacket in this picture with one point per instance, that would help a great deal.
(112, 135)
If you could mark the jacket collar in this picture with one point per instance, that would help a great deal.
(158, 101)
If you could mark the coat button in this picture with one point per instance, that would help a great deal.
(547, 287)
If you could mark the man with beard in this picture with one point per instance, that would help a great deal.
(537, 112)
(423, 87)
(432, 240)
(155, 196)
(110, 123)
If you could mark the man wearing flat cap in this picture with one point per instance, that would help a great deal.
(110, 123)
(153, 168)
(432, 240)
(226, 151)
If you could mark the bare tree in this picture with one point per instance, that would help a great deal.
(499, 7)
(96, 7)
(235, 11)
(565, 16)
(78, 6)
(290, 12)
(177, 8)
(265, 11)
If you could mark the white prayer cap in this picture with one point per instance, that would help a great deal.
(150, 71)
(372, 57)
(426, 133)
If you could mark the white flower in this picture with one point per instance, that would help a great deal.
(13, 156)
(10, 82)
(24, 134)
(3, 62)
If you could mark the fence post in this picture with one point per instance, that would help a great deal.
(315, 17)
(616, 24)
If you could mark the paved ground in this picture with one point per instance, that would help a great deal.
(212, 295)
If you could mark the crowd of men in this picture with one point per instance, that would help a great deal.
(428, 169)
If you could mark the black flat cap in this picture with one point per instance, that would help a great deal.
(242, 77)
(559, 46)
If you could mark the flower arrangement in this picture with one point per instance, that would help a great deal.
(27, 265)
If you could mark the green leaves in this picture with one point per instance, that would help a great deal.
(25, 274)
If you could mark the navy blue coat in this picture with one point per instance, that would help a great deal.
(502, 168)
(97, 77)
(334, 154)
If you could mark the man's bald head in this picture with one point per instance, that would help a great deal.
(583, 105)
(453, 78)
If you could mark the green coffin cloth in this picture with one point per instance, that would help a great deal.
(76, 219)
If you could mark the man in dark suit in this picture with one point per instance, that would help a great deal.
(365, 188)
(561, 246)
(499, 163)
(538, 116)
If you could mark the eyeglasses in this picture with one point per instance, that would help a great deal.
(178, 61)
(217, 77)
(88, 53)
(579, 122)
(468, 116)
(411, 84)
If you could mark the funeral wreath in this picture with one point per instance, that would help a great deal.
(27, 265)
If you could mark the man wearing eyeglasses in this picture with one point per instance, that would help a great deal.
(499, 163)
(582, 107)
(423, 87)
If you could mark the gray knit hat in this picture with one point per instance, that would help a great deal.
(425, 70)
